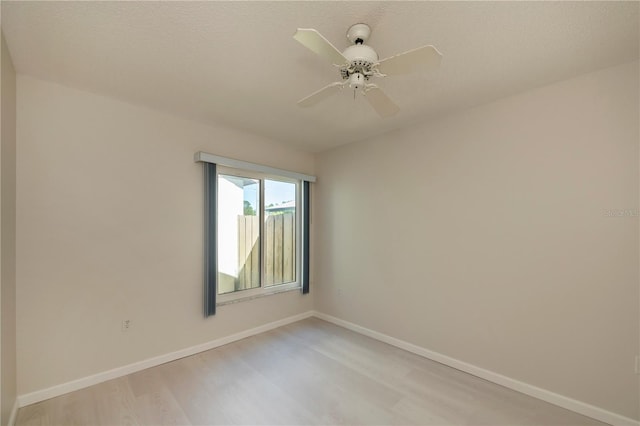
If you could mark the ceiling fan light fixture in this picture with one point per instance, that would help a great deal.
(356, 81)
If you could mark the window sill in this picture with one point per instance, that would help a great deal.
(229, 299)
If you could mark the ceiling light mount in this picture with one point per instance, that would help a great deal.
(358, 33)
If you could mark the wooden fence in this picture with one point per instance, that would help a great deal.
(279, 245)
(248, 253)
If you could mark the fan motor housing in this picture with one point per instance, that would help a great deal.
(361, 60)
(360, 52)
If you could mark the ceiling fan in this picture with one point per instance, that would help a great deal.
(358, 63)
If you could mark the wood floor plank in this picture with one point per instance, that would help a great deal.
(309, 372)
(115, 403)
(34, 415)
(159, 407)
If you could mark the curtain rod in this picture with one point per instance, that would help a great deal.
(204, 157)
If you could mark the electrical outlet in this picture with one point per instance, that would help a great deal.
(126, 325)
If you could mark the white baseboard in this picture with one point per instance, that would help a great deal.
(43, 394)
(534, 391)
(14, 413)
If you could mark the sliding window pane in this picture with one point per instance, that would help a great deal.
(280, 232)
(238, 233)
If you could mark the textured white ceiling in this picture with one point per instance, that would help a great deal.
(237, 63)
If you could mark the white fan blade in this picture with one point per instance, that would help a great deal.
(426, 57)
(381, 102)
(314, 41)
(321, 94)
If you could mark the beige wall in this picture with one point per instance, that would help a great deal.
(110, 228)
(484, 236)
(8, 237)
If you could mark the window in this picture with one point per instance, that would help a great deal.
(257, 222)
(257, 227)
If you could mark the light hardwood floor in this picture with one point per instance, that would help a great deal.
(310, 372)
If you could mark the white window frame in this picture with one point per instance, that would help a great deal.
(211, 297)
(240, 295)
